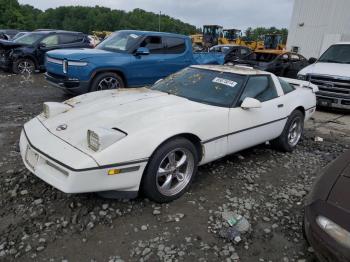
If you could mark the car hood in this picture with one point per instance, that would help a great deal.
(81, 53)
(339, 195)
(5, 44)
(333, 69)
(324, 184)
(128, 110)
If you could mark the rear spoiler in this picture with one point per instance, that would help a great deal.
(301, 83)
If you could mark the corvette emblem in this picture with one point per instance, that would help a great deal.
(61, 127)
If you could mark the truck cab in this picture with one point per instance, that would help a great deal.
(331, 73)
(127, 58)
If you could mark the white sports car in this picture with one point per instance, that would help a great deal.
(153, 139)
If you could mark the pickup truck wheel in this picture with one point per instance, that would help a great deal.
(23, 66)
(105, 81)
(170, 171)
(291, 134)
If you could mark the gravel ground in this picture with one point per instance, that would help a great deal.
(266, 187)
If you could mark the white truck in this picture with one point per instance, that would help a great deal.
(331, 73)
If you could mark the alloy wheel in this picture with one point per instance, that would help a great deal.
(25, 66)
(108, 83)
(295, 131)
(175, 171)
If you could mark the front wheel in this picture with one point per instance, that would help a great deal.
(291, 134)
(105, 81)
(23, 66)
(170, 171)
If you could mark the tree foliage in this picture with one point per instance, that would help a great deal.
(86, 19)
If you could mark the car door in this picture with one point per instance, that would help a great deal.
(176, 56)
(295, 64)
(48, 43)
(147, 69)
(280, 65)
(249, 127)
(244, 52)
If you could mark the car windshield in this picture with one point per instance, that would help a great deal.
(28, 39)
(336, 54)
(203, 86)
(120, 41)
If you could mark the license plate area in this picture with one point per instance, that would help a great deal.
(31, 157)
(324, 102)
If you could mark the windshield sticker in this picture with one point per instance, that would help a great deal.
(134, 36)
(225, 82)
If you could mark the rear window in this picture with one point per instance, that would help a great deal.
(70, 38)
(175, 45)
(287, 88)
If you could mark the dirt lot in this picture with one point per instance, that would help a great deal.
(39, 223)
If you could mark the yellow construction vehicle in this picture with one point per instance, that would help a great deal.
(197, 39)
(230, 36)
(101, 34)
(212, 35)
(274, 41)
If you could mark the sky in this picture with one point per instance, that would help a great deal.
(238, 14)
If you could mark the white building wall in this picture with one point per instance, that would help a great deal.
(316, 24)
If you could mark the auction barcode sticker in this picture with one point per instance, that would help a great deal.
(225, 82)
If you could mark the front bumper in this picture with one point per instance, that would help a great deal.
(326, 248)
(332, 102)
(37, 145)
(5, 64)
(73, 86)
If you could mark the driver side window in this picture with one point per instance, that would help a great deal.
(154, 44)
(260, 88)
(51, 40)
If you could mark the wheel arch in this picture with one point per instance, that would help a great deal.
(27, 56)
(106, 70)
(194, 139)
(301, 109)
(189, 136)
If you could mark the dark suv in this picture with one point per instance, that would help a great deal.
(27, 53)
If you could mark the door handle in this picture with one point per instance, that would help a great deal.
(280, 105)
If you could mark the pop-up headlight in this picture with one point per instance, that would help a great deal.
(100, 138)
(51, 109)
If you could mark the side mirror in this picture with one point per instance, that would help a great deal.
(42, 45)
(249, 103)
(312, 60)
(142, 51)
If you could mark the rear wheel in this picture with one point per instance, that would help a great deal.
(105, 81)
(170, 171)
(23, 66)
(292, 132)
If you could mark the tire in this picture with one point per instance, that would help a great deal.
(23, 66)
(162, 182)
(105, 81)
(288, 140)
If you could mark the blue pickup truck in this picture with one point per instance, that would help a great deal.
(127, 58)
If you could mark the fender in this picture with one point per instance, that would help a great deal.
(17, 54)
